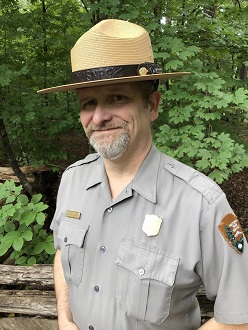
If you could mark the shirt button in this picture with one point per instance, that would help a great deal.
(110, 209)
(96, 288)
(103, 249)
(91, 327)
(141, 271)
(65, 239)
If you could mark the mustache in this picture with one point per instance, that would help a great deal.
(105, 126)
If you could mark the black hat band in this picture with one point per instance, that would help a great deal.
(111, 72)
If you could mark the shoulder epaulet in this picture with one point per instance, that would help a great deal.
(198, 181)
(88, 159)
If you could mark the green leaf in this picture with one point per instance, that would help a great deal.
(49, 248)
(42, 234)
(27, 235)
(40, 207)
(240, 96)
(40, 218)
(3, 193)
(39, 247)
(18, 244)
(15, 255)
(21, 261)
(23, 199)
(9, 226)
(6, 75)
(30, 116)
(16, 119)
(49, 238)
(4, 247)
(18, 190)
(36, 198)
(202, 164)
(28, 217)
(31, 261)
(10, 237)
(10, 185)
(173, 64)
(7, 207)
(10, 199)
(218, 176)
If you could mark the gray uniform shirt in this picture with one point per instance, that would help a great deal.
(121, 278)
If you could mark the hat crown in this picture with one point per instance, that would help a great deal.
(111, 42)
(112, 51)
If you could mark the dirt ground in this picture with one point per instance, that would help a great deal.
(236, 190)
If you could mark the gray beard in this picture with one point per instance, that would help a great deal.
(114, 150)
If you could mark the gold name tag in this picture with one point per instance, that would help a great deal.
(73, 214)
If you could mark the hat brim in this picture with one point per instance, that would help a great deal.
(84, 84)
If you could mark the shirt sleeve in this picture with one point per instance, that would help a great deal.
(224, 269)
(55, 228)
(58, 214)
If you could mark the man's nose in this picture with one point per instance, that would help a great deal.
(101, 114)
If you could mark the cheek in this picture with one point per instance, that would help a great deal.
(85, 119)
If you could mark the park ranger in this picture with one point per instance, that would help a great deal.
(136, 231)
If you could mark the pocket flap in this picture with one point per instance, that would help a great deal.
(147, 262)
(72, 232)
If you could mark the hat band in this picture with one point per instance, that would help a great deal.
(119, 71)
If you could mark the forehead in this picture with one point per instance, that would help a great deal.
(126, 88)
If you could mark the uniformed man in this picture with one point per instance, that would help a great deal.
(136, 231)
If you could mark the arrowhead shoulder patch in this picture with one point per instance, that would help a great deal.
(232, 232)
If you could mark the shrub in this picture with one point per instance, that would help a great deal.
(22, 236)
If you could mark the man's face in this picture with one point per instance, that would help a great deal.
(116, 119)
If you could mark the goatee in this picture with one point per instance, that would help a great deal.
(111, 149)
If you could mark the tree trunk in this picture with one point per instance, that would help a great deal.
(243, 72)
(12, 161)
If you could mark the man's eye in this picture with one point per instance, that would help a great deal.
(88, 105)
(119, 98)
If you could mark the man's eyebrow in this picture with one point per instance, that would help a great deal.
(109, 91)
(118, 90)
(86, 98)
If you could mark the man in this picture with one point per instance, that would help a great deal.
(136, 231)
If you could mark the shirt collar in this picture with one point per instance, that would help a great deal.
(97, 174)
(145, 180)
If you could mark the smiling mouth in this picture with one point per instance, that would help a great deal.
(104, 130)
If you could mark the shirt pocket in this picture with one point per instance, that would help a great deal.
(145, 281)
(72, 235)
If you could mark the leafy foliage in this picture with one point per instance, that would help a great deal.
(203, 117)
(21, 227)
(38, 36)
(205, 112)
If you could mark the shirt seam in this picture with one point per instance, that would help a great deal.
(220, 313)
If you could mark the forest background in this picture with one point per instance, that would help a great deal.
(203, 117)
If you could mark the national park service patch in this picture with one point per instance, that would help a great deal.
(232, 232)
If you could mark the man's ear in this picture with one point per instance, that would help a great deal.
(154, 104)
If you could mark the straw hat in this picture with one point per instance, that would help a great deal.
(112, 51)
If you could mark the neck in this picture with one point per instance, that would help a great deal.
(122, 170)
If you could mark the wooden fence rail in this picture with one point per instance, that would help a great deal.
(29, 291)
